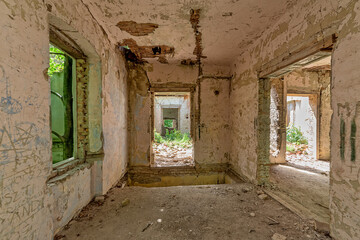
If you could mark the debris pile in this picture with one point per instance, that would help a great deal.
(168, 156)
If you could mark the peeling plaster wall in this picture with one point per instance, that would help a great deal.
(345, 180)
(138, 116)
(301, 82)
(66, 198)
(243, 120)
(115, 108)
(325, 116)
(29, 207)
(213, 146)
(24, 164)
(300, 25)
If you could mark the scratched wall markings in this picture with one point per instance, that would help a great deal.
(8, 104)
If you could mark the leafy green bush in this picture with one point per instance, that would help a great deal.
(56, 60)
(294, 135)
(157, 137)
(173, 138)
(173, 135)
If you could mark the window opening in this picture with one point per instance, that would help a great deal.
(62, 100)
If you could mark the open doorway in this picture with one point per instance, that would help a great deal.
(172, 144)
(303, 133)
(300, 114)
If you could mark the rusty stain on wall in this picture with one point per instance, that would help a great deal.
(137, 29)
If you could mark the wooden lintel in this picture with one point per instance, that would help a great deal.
(65, 45)
(165, 89)
(203, 77)
(315, 46)
(172, 87)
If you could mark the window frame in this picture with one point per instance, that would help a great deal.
(73, 110)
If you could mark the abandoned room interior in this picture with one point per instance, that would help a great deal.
(191, 119)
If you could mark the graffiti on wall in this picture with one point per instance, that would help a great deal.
(22, 170)
(8, 104)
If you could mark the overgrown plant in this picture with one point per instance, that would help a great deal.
(294, 135)
(290, 148)
(168, 123)
(157, 137)
(173, 138)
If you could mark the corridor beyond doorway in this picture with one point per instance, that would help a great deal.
(172, 144)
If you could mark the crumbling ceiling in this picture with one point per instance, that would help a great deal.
(226, 26)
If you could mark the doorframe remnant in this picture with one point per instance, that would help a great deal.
(176, 88)
(312, 50)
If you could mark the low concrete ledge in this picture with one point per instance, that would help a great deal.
(175, 176)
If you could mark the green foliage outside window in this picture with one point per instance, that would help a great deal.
(56, 60)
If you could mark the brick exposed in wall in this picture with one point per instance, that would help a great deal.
(263, 131)
(277, 121)
(82, 81)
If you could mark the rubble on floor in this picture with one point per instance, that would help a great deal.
(304, 189)
(171, 156)
(189, 212)
(308, 162)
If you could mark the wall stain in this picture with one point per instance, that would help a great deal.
(353, 140)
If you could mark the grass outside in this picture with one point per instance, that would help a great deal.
(173, 138)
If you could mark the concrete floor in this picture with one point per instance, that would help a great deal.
(306, 188)
(308, 163)
(187, 212)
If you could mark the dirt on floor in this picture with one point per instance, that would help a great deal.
(172, 156)
(307, 162)
(238, 211)
(307, 188)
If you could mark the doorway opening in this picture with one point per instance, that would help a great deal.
(300, 113)
(302, 132)
(172, 144)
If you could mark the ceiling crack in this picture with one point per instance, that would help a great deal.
(93, 17)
